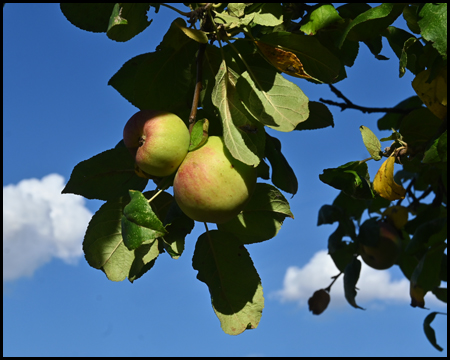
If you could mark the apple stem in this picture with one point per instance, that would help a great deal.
(334, 280)
(149, 201)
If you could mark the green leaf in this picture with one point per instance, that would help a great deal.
(236, 9)
(199, 134)
(92, 17)
(283, 177)
(329, 214)
(225, 266)
(231, 22)
(426, 275)
(407, 48)
(317, 60)
(351, 276)
(273, 100)
(178, 226)
(139, 223)
(371, 142)
(393, 137)
(433, 25)
(341, 252)
(428, 233)
(127, 20)
(392, 120)
(194, 34)
(105, 176)
(440, 293)
(262, 217)
(352, 178)
(411, 15)
(352, 207)
(269, 14)
(437, 151)
(429, 331)
(370, 23)
(320, 18)
(242, 145)
(419, 127)
(163, 79)
(319, 117)
(104, 248)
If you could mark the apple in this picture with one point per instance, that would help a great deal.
(319, 301)
(157, 140)
(211, 185)
(387, 251)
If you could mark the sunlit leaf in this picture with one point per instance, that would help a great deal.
(127, 20)
(243, 146)
(320, 18)
(433, 25)
(352, 178)
(194, 34)
(371, 142)
(384, 183)
(368, 24)
(273, 100)
(139, 223)
(199, 134)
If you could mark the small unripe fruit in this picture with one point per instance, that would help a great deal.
(157, 140)
(387, 251)
(211, 185)
(319, 301)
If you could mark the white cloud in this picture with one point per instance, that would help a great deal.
(374, 286)
(40, 223)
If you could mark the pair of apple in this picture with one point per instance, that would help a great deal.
(209, 184)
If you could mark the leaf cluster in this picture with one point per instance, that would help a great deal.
(229, 65)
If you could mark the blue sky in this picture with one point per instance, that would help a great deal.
(58, 111)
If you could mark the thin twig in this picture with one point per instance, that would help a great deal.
(327, 289)
(349, 105)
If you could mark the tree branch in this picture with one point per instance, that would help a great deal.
(198, 86)
(349, 105)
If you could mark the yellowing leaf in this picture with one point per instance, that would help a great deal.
(397, 215)
(285, 61)
(433, 94)
(384, 183)
(417, 295)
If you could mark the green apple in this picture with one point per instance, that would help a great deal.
(211, 185)
(157, 140)
(387, 251)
